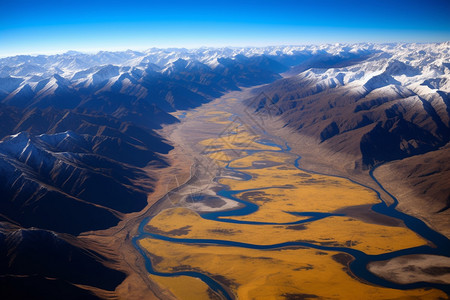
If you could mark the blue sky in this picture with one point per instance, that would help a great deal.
(57, 26)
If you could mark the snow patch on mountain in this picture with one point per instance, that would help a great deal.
(422, 68)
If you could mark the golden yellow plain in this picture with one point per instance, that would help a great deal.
(217, 117)
(217, 113)
(333, 231)
(274, 274)
(247, 161)
(220, 157)
(268, 214)
(183, 287)
(294, 190)
(218, 120)
(277, 190)
(236, 138)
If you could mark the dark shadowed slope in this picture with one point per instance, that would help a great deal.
(387, 107)
(74, 142)
(380, 109)
(79, 129)
(39, 264)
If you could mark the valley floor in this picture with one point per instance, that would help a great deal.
(240, 215)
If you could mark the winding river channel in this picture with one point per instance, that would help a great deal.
(438, 244)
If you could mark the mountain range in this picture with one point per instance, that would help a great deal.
(78, 129)
(375, 111)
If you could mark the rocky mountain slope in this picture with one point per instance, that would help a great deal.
(78, 130)
(40, 264)
(391, 104)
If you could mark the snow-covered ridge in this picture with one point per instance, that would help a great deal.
(425, 71)
(72, 61)
(423, 68)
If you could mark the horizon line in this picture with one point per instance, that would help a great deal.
(144, 49)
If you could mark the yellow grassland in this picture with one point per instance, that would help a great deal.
(218, 120)
(273, 274)
(294, 190)
(239, 140)
(234, 136)
(298, 273)
(247, 161)
(335, 231)
(221, 158)
(183, 287)
(220, 113)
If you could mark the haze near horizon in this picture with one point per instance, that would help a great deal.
(48, 27)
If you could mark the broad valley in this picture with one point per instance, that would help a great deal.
(281, 172)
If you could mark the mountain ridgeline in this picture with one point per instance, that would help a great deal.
(388, 105)
(66, 139)
(79, 129)
(390, 108)
(75, 138)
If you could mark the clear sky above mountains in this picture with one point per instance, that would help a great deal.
(57, 26)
